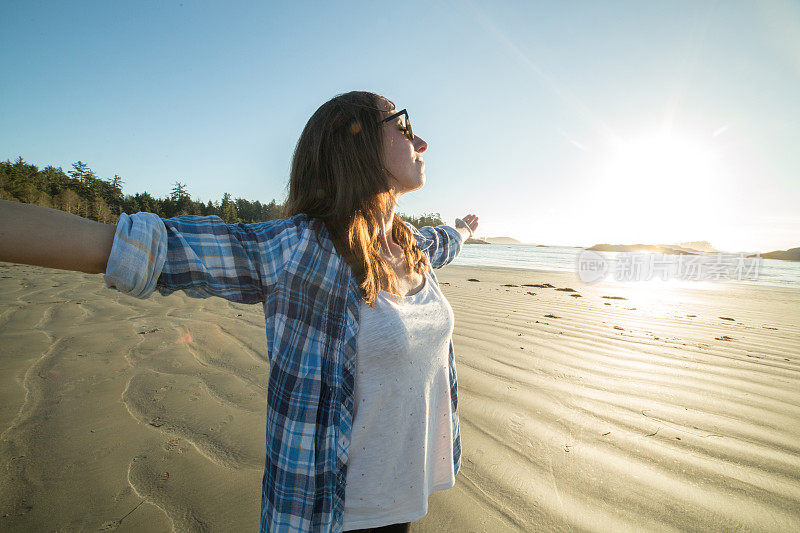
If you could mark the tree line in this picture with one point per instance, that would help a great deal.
(82, 192)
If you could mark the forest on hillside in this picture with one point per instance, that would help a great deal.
(82, 192)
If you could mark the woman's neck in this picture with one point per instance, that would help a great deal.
(388, 246)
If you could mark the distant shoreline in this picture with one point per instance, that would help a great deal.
(791, 254)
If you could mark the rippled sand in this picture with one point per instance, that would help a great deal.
(135, 415)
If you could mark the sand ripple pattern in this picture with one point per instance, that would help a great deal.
(570, 424)
(117, 413)
(606, 415)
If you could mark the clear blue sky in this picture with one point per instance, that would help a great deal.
(557, 123)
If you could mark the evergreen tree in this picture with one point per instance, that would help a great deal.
(54, 180)
(114, 197)
(79, 170)
(181, 201)
(27, 192)
(85, 181)
(146, 202)
(228, 210)
(116, 183)
(179, 192)
(130, 205)
(21, 178)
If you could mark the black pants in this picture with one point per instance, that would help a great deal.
(405, 527)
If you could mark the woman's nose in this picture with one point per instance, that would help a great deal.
(419, 144)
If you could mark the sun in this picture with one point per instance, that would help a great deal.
(663, 164)
(658, 189)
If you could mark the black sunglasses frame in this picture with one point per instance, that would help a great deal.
(410, 132)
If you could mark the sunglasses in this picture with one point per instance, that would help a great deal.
(407, 126)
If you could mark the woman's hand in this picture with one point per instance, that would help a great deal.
(467, 225)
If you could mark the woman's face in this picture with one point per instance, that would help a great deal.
(402, 156)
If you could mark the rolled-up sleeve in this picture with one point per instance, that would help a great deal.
(441, 244)
(200, 255)
(137, 254)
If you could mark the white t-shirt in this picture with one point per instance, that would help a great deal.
(401, 447)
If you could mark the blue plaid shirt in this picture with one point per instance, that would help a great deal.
(311, 304)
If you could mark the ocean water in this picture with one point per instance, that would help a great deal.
(631, 267)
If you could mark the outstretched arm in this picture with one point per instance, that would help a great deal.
(50, 238)
(443, 243)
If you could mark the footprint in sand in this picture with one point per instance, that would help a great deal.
(566, 289)
(727, 318)
(473, 279)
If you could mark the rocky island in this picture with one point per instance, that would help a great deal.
(671, 249)
(792, 254)
(493, 240)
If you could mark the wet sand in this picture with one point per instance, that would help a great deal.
(674, 411)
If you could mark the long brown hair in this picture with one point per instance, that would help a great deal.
(338, 177)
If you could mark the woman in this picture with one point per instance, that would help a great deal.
(362, 420)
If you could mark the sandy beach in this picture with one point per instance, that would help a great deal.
(612, 411)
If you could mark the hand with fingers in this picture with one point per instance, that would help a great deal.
(469, 222)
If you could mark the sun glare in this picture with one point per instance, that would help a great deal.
(659, 189)
(663, 161)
